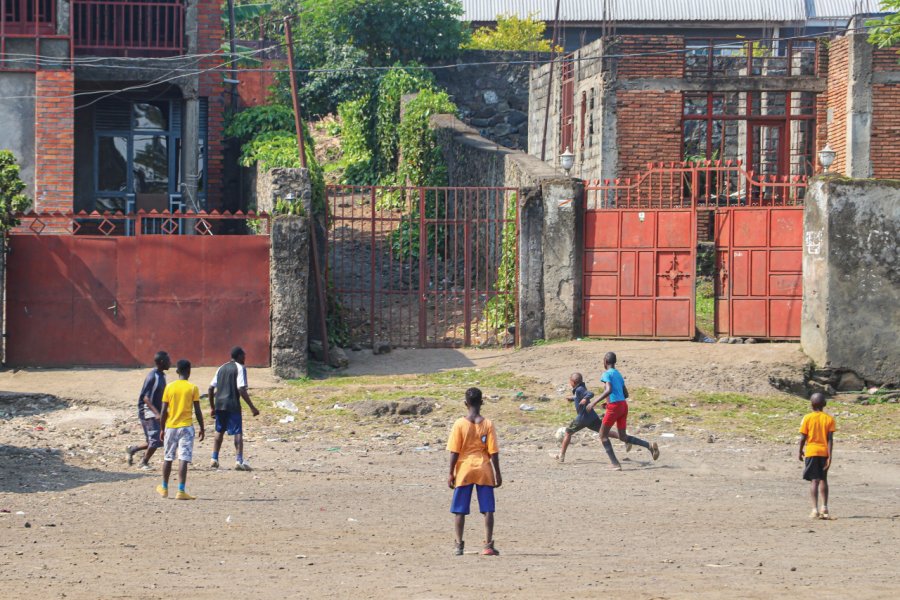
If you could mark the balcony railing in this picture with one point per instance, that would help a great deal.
(117, 28)
(28, 36)
(751, 58)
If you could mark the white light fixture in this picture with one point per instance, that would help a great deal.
(826, 157)
(567, 160)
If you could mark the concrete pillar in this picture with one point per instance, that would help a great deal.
(562, 253)
(859, 104)
(531, 270)
(608, 131)
(288, 282)
(851, 283)
(190, 153)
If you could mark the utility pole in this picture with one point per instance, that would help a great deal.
(233, 50)
(313, 223)
(550, 82)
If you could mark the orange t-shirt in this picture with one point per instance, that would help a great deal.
(475, 443)
(816, 426)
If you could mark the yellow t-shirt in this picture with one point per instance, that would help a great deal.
(475, 443)
(180, 395)
(816, 426)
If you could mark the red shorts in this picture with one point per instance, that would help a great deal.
(616, 414)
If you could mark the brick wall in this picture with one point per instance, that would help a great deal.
(885, 59)
(885, 147)
(838, 74)
(54, 132)
(211, 86)
(649, 129)
(662, 56)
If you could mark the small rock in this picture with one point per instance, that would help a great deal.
(710, 439)
(27, 525)
(850, 382)
(793, 568)
(381, 348)
(356, 348)
(751, 341)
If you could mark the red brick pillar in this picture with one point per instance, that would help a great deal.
(54, 140)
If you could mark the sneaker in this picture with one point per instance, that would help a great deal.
(145, 467)
(654, 450)
(184, 496)
(814, 514)
(628, 447)
(460, 549)
(560, 458)
(242, 467)
(164, 492)
(213, 464)
(130, 451)
(489, 550)
(825, 516)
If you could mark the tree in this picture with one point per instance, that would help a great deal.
(512, 33)
(12, 200)
(885, 32)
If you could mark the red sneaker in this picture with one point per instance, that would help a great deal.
(489, 550)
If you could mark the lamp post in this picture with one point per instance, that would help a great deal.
(567, 160)
(826, 157)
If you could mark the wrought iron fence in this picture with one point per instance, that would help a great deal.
(130, 28)
(119, 224)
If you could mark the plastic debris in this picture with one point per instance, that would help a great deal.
(527, 408)
(287, 419)
(287, 405)
(667, 435)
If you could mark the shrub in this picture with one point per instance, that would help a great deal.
(12, 200)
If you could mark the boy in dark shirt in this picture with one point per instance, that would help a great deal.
(149, 408)
(584, 418)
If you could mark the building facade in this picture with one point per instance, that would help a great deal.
(114, 105)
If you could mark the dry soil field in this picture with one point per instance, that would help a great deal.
(343, 504)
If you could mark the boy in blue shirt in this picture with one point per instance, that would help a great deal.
(616, 412)
(584, 418)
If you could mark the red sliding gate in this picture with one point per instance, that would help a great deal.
(114, 300)
(640, 252)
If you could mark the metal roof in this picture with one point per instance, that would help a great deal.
(671, 10)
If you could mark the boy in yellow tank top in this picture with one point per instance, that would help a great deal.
(474, 463)
(817, 435)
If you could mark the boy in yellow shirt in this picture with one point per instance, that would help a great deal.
(817, 434)
(474, 462)
(177, 430)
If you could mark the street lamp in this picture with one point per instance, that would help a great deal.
(826, 157)
(567, 160)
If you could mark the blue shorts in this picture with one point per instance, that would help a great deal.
(462, 498)
(229, 422)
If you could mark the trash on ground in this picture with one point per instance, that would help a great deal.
(527, 407)
(287, 419)
(667, 435)
(287, 405)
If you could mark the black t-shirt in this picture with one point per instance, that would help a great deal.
(581, 393)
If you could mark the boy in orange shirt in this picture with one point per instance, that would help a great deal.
(817, 434)
(474, 462)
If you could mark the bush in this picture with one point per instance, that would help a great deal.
(279, 149)
(12, 200)
(357, 124)
(391, 89)
(512, 33)
(259, 120)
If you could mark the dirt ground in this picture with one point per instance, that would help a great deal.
(349, 508)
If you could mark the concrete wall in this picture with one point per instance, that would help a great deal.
(851, 277)
(550, 226)
(279, 184)
(491, 91)
(17, 122)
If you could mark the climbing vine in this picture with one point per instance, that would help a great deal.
(500, 310)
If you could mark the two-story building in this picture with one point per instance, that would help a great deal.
(114, 105)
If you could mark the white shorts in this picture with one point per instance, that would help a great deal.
(182, 440)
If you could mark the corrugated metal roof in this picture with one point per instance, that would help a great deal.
(670, 10)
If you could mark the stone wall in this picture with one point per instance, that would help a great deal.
(491, 91)
(851, 277)
(282, 184)
(549, 226)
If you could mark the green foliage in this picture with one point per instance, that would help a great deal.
(885, 32)
(259, 120)
(289, 207)
(357, 124)
(391, 89)
(500, 310)
(279, 149)
(12, 200)
(512, 33)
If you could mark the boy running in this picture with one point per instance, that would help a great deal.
(474, 462)
(149, 405)
(817, 435)
(616, 412)
(178, 429)
(583, 417)
(225, 392)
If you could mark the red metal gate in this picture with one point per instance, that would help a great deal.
(112, 299)
(640, 252)
(424, 267)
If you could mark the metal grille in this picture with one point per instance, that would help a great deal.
(424, 267)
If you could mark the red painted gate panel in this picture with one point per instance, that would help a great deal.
(638, 273)
(759, 263)
(77, 300)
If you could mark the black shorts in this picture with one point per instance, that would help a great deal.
(814, 468)
(578, 424)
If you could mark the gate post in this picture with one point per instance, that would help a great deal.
(288, 284)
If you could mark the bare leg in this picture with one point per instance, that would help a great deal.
(217, 442)
(150, 452)
(182, 471)
(167, 471)
(459, 524)
(814, 493)
(823, 490)
(239, 445)
(565, 445)
(488, 527)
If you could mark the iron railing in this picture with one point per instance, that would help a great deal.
(710, 57)
(702, 184)
(24, 25)
(117, 224)
(128, 28)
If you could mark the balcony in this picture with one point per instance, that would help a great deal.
(28, 18)
(29, 40)
(120, 28)
(746, 58)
